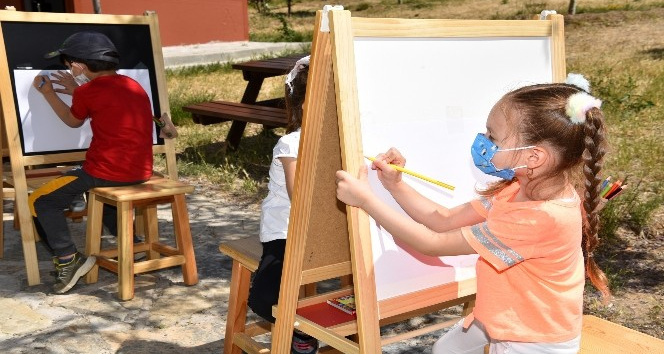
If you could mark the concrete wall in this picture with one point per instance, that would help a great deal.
(183, 22)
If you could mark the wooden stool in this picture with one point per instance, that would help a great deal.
(144, 197)
(246, 254)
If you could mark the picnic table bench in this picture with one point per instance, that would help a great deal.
(221, 111)
(269, 113)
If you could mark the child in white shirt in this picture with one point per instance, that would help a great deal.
(275, 209)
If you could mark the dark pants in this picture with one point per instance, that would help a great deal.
(48, 202)
(264, 292)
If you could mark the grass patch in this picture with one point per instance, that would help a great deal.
(200, 69)
(179, 99)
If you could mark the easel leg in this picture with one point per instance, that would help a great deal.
(30, 254)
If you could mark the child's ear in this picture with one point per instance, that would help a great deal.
(537, 157)
(83, 67)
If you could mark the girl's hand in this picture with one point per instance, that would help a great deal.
(353, 191)
(43, 84)
(64, 79)
(387, 175)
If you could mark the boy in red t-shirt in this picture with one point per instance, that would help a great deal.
(120, 152)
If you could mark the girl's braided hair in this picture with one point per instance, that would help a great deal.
(542, 114)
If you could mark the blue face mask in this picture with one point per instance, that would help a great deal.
(483, 150)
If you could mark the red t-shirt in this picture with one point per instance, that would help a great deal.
(530, 274)
(120, 115)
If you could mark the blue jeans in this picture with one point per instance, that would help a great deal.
(48, 202)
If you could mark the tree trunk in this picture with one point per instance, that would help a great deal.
(572, 7)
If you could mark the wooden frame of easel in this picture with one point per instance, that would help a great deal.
(19, 160)
(328, 240)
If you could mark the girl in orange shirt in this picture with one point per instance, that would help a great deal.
(534, 234)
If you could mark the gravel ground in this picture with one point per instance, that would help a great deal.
(165, 316)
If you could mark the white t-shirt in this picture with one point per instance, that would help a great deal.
(275, 208)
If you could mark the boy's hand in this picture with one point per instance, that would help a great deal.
(43, 84)
(167, 128)
(353, 191)
(64, 79)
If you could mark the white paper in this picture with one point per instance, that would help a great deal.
(41, 128)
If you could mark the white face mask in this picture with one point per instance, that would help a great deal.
(80, 78)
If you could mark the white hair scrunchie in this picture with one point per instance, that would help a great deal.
(299, 65)
(579, 81)
(546, 13)
(579, 104)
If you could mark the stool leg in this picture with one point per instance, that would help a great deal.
(93, 234)
(147, 215)
(236, 317)
(183, 239)
(139, 221)
(125, 251)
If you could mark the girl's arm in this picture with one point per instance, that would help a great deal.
(420, 208)
(356, 192)
(289, 164)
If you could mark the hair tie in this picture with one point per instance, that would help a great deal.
(579, 104)
(299, 65)
(579, 81)
(546, 13)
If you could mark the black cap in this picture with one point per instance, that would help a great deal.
(87, 45)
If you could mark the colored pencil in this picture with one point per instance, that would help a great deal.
(415, 174)
(605, 190)
(613, 188)
(605, 182)
(616, 192)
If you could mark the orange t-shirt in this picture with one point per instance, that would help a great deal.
(530, 274)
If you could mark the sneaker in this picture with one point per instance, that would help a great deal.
(304, 344)
(69, 273)
(78, 204)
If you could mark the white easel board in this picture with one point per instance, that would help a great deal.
(430, 106)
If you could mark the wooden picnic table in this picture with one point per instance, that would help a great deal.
(270, 113)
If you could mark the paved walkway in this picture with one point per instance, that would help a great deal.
(198, 54)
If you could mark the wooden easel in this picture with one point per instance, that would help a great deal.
(326, 239)
(20, 160)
